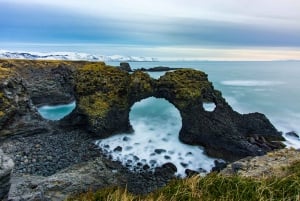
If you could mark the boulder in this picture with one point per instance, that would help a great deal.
(158, 69)
(292, 134)
(125, 67)
(6, 166)
(75, 179)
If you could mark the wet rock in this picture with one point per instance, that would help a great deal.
(152, 162)
(146, 167)
(135, 158)
(75, 179)
(201, 170)
(219, 166)
(126, 139)
(159, 151)
(292, 134)
(184, 164)
(190, 173)
(158, 69)
(118, 149)
(125, 67)
(167, 167)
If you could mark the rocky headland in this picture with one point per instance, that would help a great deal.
(54, 159)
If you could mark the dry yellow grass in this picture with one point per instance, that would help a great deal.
(212, 187)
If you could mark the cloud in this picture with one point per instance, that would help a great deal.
(229, 10)
(175, 24)
(34, 23)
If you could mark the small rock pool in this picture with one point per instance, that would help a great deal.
(56, 112)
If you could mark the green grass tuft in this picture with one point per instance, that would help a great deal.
(212, 187)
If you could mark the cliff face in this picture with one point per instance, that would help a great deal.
(104, 96)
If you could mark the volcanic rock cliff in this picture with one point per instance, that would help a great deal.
(105, 94)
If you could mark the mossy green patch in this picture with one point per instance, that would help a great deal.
(141, 83)
(94, 105)
(186, 85)
(101, 89)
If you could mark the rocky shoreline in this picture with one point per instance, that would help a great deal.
(56, 159)
(55, 166)
(46, 154)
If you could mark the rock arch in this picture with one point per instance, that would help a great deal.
(105, 94)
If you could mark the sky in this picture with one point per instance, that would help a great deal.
(166, 29)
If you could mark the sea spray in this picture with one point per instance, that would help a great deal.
(155, 141)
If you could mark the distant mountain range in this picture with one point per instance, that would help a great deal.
(71, 56)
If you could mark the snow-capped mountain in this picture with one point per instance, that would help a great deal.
(70, 56)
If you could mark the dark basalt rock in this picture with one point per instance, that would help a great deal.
(170, 167)
(125, 67)
(190, 173)
(158, 69)
(159, 151)
(292, 134)
(219, 166)
(104, 96)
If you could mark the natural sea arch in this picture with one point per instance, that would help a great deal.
(155, 111)
(106, 94)
(155, 141)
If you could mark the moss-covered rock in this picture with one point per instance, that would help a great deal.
(185, 87)
(102, 96)
(105, 94)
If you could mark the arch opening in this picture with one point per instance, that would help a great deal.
(56, 112)
(209, 106)
(155, 141)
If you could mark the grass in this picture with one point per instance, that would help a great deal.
(212, 187)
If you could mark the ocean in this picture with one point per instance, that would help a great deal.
(270, 87)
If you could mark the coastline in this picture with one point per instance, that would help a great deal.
(36, 144)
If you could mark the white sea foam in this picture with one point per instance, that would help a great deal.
(292, 141)
(56, 112)
(250, 83)
(289, 123)
(155, 140)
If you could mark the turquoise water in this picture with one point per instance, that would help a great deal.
(56, 112)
